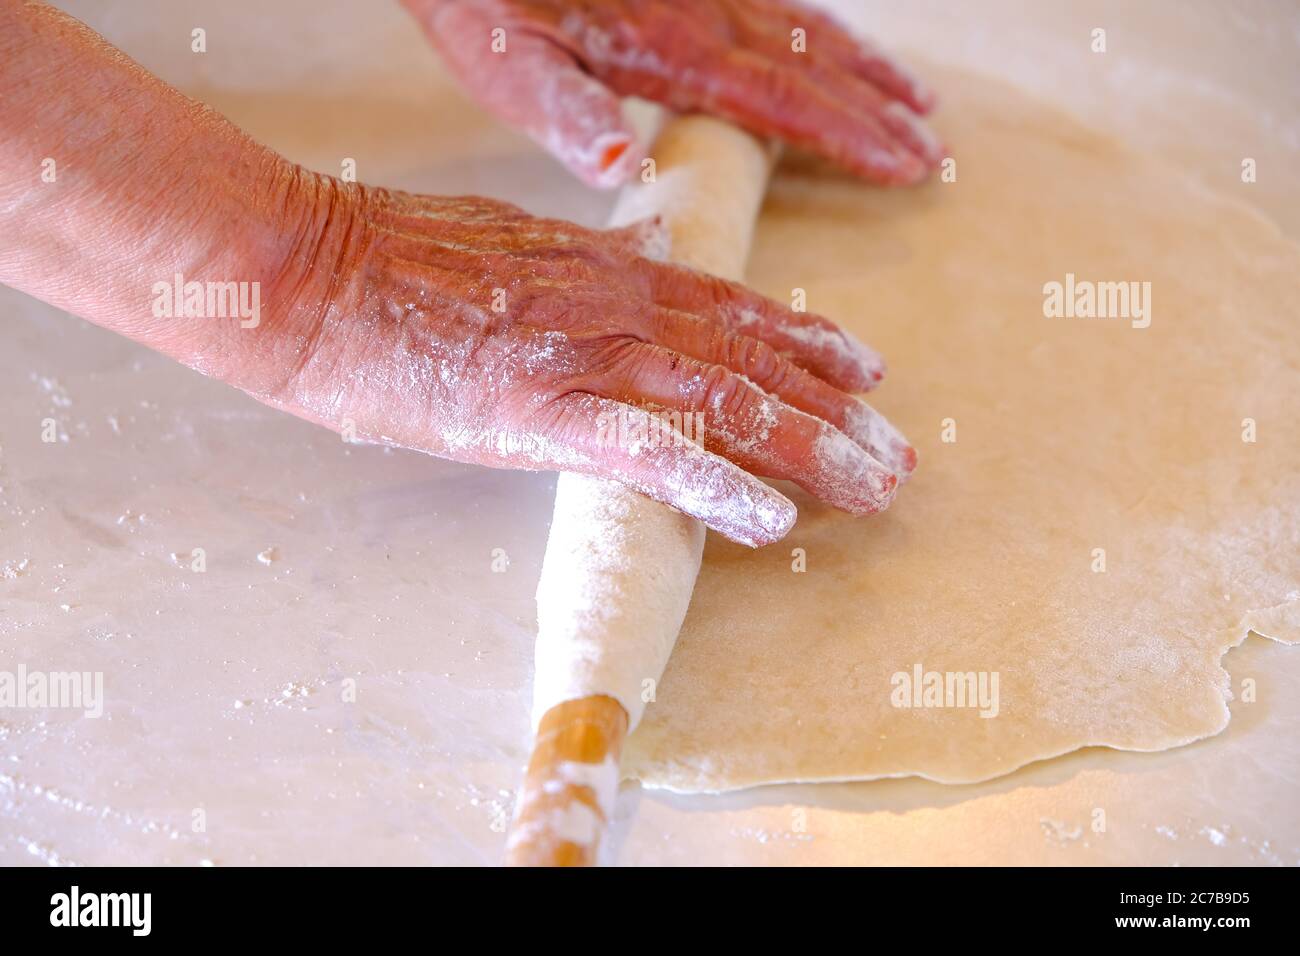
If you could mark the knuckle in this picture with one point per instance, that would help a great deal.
(756, 359)
(726, 395)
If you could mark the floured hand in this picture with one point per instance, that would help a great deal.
(461, 327)
(556, 69)
(468, 329)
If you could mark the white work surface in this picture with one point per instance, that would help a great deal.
(225, 690)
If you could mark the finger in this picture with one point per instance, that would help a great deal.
(860, 57)
(776, 100)
(611, 440)
(806, 339)
(536, 86)
(891, 76)
(893, 115)
(756, 431)
(899, 119)
(830, 59)
(874, 432)
(758, 362)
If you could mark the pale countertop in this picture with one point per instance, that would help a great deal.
(225, 693)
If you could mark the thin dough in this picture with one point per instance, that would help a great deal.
(1072, 435)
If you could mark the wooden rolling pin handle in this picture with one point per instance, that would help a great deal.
(570, 785)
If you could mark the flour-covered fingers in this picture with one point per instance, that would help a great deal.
(874, 432)
(832, 60)
(775, 100)
(891, 76)
(743, 423)
(895, 116)
(706, 340)
(557, 70)
(609, 439)
(806, 339)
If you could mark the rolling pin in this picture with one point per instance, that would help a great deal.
(619, 568)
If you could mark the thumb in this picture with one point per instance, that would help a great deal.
(536, 86)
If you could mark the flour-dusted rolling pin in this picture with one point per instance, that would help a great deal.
(619, 567)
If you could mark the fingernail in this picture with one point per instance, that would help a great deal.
(655, 239)
(851, 478)
(912, 170)
(762, 515)
(886, 443)
(774, 513)
(916, 131)
(925, 98)
(610, 160)
(867, 360)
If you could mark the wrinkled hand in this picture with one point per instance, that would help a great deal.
(556, 68)
(468, 329)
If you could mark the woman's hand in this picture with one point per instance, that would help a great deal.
(471, 330)
(461, 327)
(556, 69)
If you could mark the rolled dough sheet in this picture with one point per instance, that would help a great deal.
(1072, 435)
